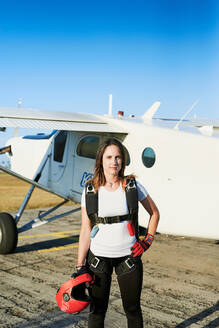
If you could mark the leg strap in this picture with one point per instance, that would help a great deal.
(127, 265)
(97, 264)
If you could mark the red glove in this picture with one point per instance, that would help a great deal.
(142, 245)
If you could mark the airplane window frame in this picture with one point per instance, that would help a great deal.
(85, 155)
(148, 161)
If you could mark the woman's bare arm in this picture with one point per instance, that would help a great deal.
(152, 209)
(84, 239)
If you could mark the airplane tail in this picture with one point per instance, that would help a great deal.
(148, 115)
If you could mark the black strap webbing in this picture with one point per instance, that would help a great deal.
(112, 219)
(132, 201)
(131, 195)
(91, 200)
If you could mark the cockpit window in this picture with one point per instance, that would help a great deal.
(88, 146)
(148, 157)
(59, 146)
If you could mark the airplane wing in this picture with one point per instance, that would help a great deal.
(51, 120)
(204, 122)
(206, 126)
(196, 122)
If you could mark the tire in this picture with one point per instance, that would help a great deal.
(8, 233)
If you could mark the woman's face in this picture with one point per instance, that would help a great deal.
(112, 160)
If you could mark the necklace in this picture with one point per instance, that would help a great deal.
(111, 183)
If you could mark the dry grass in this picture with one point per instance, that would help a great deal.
(13, 191)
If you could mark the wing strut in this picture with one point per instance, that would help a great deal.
(28, 195)
(38, 221)
(32, 182)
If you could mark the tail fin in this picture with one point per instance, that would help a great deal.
(148, 115)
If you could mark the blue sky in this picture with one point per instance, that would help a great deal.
(70, 55)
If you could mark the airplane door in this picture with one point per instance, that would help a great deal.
(59, 156)
(84, 161)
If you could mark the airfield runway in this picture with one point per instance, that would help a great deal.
(180, 289)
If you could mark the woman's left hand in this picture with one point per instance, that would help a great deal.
(142, 245)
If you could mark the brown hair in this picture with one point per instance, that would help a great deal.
(99, 177)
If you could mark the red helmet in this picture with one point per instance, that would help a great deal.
(71, 296)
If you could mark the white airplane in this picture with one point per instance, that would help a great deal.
(176, 160)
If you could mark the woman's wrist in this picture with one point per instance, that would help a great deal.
(78, 266)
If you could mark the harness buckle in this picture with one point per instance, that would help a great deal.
(90, 188)
(130, 184)
(95, 262)
(105, 221)
(129, 263)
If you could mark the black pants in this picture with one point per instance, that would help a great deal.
(130, 284)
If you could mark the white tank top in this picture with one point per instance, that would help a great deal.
(113, 240)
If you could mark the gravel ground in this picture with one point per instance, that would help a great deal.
(180, 288)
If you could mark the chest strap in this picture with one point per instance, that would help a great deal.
(132, 202)
(110, 219)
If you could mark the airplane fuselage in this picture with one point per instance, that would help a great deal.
(179, 169)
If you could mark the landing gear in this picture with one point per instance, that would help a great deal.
(8, 233)
(8, 225)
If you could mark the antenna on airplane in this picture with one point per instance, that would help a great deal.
(176, 127)
(110, 111)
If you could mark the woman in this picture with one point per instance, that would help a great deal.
(108, 237)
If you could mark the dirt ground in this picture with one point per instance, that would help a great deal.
(180, 288)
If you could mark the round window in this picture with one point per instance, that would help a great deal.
(148, 157)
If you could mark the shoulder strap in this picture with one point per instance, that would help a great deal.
(91, 198)
(131, 194)
(132, 201)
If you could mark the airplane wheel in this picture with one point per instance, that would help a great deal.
(8, 233)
